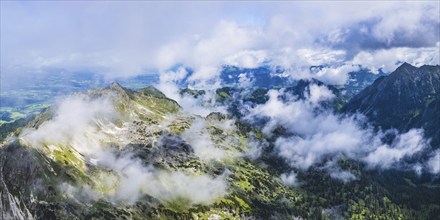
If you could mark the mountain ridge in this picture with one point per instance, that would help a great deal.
(152, 135)
(405, 99)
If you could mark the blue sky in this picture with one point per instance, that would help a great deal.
(127, 38)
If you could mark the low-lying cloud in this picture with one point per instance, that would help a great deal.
(433, 163)
(132, 179)
(171, 82)
(199, 138)
(315, 135)
(89, 127)
(289, 179)
(406, 144)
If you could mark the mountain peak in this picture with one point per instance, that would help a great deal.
(114, 86)
(118, 90)
(406, 67)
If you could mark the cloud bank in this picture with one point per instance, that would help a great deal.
(130, 38)
(314, 135)
(90, 128)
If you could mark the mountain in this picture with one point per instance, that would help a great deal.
(408, 98)
(21, 98)
(115, 153)
(29, 94)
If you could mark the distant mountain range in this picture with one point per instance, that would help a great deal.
(24, 96)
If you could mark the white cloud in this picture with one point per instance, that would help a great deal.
(297, 116)
(203, 74)
(406, 144)
(304, 57)
(336, 172)
(409, 21)
(255, 148)
(247, 59)
(305, 152)
(335, 75)
(433, 163)
(313, 57)
(245, 81)
(73, 116)
(174, 76)
(206, 53)
(88, 127)
(289, 179)
(298, 63)
(130, 180)
(203, 146)
(390, 59)
(136, 179)
(315, 135)
(320, 93)
(170, 82)
(343, 175)
(125, 38)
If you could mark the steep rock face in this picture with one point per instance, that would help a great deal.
(18, 165)
(407, 98)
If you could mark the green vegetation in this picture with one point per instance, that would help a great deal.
(192, 92)
(53, 180)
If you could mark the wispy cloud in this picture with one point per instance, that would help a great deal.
(89, 127)
(314, 135)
